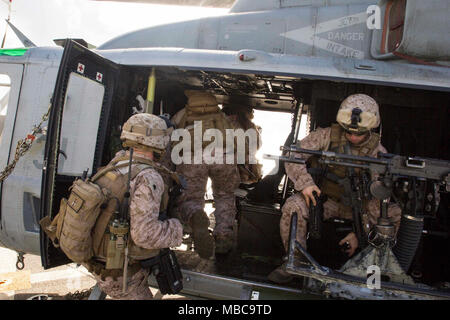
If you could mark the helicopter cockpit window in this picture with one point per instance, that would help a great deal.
(5, 88)
(81, 115)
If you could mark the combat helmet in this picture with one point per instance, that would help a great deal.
(358, 113)
(147, 131)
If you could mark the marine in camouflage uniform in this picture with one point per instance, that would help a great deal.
(146, 195)
(224, 177)
(334, 138)
(240, 116)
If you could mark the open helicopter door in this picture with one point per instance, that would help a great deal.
(81, 106)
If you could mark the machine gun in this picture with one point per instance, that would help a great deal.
(356, 188)
(388, 168)
(386, 165)
(405, 179)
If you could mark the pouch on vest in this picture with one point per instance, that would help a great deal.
(80, 225)
(329, 178)
(72, 226)
(71, 229)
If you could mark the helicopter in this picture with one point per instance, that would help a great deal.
(295, 57)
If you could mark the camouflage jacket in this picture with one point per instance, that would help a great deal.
(320, 139)
(146, 230)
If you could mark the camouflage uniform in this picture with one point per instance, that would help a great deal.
(297, 173)
(249, 172)
(146, 231)
(145, 133)
(358, 114)
(224, 177)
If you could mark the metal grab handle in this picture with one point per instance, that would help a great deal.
(293, 243)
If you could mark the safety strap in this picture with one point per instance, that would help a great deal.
(136, 160)
(149, 131)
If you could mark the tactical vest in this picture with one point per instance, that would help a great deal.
(210, 116)
(329, 185)
(81, 226)
(116, 181)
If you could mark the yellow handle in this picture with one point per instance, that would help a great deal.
(151, 92)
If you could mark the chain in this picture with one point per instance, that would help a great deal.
(24, 145)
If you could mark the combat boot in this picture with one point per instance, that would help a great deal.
(203, 240)
(280, 275)
(224, 243)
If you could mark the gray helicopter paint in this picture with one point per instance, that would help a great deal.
(420, 41)
(347, 35)
(339, 69)
(421, 38)
(261, 5)
(27, 42)
(305, 31)
(200, 3)
(14, 71)
(40, 67)
(304, 28)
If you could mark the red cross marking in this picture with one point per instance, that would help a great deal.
(99, 77)
(81, 68)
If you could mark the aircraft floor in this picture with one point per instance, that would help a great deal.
(235, 264)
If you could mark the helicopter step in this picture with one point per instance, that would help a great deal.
(209, 286)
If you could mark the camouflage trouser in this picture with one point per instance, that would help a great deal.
(224, 178)
(296, 203)
(137, 287)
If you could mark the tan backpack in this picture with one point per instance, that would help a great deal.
(74, 227)
(210, 116)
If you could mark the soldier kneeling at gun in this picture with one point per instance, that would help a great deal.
(357, 116)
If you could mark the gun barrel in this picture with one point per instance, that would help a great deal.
(347, 164)
(282, 158)
(423, 168)
(334, 155)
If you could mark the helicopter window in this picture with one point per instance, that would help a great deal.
(275, 127)
(82, 108)
(5, 87)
